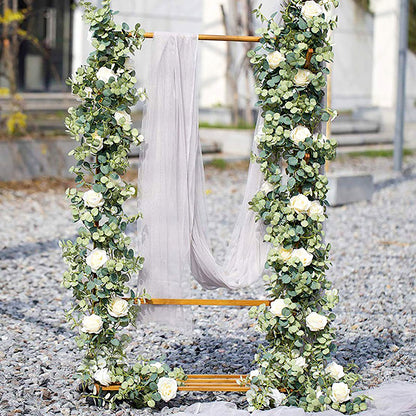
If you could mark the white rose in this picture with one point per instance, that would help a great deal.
(93, 199)
(277, 397)
(276, 307)
(118, 307)
(96, 259)
(254, 373)
(316, 322)
(300, 203)
(340, 393)
(303, 255)
(285, 254)
(311, 9)
(303, 77)
(167, 388)
(98, 142)
(142, 94)
(267, 187)
(104, 74)
(335, 370)
(275, 59)
(103, 376)
(92, 324)
(300, 134)
(88, 92)
(300, 362)
(122, 115)
(156, 364)
(316, 209)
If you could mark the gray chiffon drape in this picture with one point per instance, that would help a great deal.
(173, 233)
(390, 399)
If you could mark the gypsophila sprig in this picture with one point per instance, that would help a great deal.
(295, 369)
(100, 260)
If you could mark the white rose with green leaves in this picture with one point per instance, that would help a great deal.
(300, 203)
(302, 78)
(315, 209)
(316, 322)
(97, 259)
(311, 9)
(277, 397)
(104, 74)
(340, 393)
(93, 199)
(335, 370)
(123, 118)
(92, 324)
(254, 373)
(300, 362)
(275, 59)
(299, 134)
(277, 306)
(303, 255)
(103, 376)
(167, 388)
(118, 307)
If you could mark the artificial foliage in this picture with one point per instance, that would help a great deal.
(100, 261)
(295, 367)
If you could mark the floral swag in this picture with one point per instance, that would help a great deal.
(294, 368)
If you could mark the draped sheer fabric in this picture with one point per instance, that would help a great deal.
(173, 235)
(390, 399)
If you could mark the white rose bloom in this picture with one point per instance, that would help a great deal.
(93, 199)
(311, 9)
(97, 139)
(142, 94)
(156, 364)
(167, 388)
(88, 92)
(103, 376)
(104, 74)
(316, 322)
(276, 307)
(316, 209)
(92, 324)
(118, 307)
(300, 362)
(335, 370)
(96, 259)
(275, 59)
(254, 373)
(277, 397)
(303, 255)
(267, 187)
(300, 134)
(122, 115)
(303, 77)
(300, 203)
(340, 393)
(285, 254)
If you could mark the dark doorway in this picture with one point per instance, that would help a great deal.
(44, 67)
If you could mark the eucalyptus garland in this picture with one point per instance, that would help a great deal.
(295, 367)
(100, 260)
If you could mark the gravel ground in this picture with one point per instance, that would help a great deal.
(374, 247)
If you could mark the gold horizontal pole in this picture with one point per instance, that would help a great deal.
(226, 38)
(212, 302)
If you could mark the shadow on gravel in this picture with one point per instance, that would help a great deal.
(364, 350)
(393, 182)
(16, 310)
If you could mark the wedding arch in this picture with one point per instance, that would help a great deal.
(295, 368)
